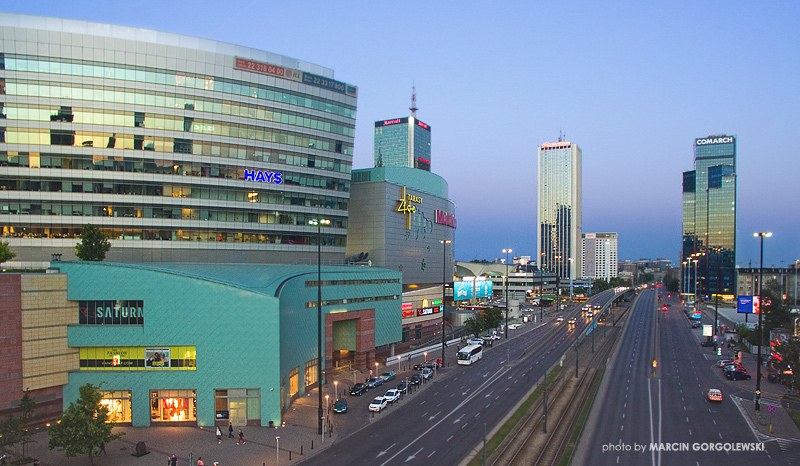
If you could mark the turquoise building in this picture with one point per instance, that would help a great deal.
(199, 344)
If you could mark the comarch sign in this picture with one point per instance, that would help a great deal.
(713, 140)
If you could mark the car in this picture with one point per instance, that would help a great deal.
(388, 375)
(374, 382)
(733, 367)
(414, 380)
(708, 343)
(475, 341)
(359, 389)
(392, 395)
(586, 307)
(560, 319)
(590, 313)
(737, 375)
(514, 326)
(425, 365)
(378, 403)
(597, 307)
(340, 406)
(664, 307)
(695, 324)
(402, 387)
(436, 361)
(724, 362)
(490, 337)
(572, 321)
(714, 394)
(427, 374)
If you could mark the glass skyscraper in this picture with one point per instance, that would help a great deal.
(177, 148)
(402, 142)
(559, 209)
(709, 214)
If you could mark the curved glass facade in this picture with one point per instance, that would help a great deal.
(178, 148)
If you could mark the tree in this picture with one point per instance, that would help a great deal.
(790, 357)
(5, 252)
(494, 317)
(673, 285)
(83, 425)
(93, 246)
(776, 312)
(599, 285)
(15, 430)
(473, 326)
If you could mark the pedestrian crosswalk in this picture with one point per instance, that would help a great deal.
(790, 447)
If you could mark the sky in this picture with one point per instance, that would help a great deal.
(633, 83)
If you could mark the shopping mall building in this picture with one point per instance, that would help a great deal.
(180, 149)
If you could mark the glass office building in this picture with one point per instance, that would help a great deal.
(709, 214)
(559, 209)
(402, 142)
(178, 148)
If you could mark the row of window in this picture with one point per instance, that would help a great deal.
(70, 67)
(135, 234)
(64, 137)
(171, 190)
(118, 95)
(366, 299)
(162, 167)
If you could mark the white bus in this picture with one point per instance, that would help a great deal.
(469, 354)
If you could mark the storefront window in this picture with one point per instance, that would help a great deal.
(118, 404)
(173, 405)
(238, 405)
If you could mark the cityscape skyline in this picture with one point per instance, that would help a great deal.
(638, 84)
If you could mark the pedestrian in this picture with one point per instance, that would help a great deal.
(173, 461)
(200, 461)
(35, 462)
(102, 449)
(219, 436)
(230, 430)
(241, 438)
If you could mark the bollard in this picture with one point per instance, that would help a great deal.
(290, 455)
(301, 450)
(312, 443)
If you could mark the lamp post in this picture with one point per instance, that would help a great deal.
(570, 279)
(760, 311)
(795, 282)
(506, 251)
(318, 223)
(277, 449)
(444, 277)
(336, 389)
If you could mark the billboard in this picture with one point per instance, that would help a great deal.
(748, 305)
(469, 288)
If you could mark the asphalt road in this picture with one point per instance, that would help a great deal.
(667, 406)
(443, 422)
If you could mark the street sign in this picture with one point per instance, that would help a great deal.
(771, 408)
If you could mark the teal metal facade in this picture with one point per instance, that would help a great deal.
(251, 325)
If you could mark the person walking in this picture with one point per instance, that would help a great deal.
(200, 461)
(241, 438)
(230, 430)
(219, 436)
(173, 460)
(102, 449)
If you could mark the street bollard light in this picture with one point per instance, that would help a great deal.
(336, 389)
(277, 450)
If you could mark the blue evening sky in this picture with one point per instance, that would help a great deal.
(631, 82)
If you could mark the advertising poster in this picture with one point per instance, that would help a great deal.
(157, 358)
(748, 305)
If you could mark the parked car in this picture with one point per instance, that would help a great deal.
(708, 343)
(374, 382)
(475, 341)
(695, 324)
(733, 367)
(392, 395)
(724, 362)
(358, 389)
(414, 379)
(388, 375)
(402, 387)
(714, 394)
(340, 406)
(378, 403)
(424, 365)
(427, 373)
(737, 375)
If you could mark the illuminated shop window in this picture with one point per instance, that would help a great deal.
(173, 405)
(118, 404)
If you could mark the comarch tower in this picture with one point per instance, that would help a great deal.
(709, 214)
(559, 208)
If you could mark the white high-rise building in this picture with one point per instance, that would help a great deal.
(599, 255)
(559, 208)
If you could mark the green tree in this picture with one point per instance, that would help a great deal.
(790, 354)
(646, 277)
(672, 285)
(473, 326)
(599, 285)
(5, 252)
(493, 317)
(94, 244)
(15, 431)
(776, 312)
(10, 433)
(83, 425)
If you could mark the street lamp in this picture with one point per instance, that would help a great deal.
(570, 279)
(760, 311)
(506, 251)
(277, 449)
(318, 223)
(444, 277)
(336, 388)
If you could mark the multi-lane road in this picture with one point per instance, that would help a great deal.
(445, 421)
(666, 406)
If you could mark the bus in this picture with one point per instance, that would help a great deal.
(469, 354)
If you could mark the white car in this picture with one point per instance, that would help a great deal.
(475, 341)
(392, 395)
(427, 374)
(378, 403)
(560, 319)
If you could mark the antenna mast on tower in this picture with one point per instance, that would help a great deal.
(413, 107)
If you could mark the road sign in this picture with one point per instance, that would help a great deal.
(771, 408)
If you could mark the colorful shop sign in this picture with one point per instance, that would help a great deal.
(138, 358)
